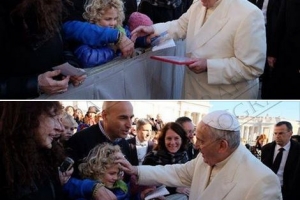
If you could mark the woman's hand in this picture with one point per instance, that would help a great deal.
(50, 86)
(65, 176)
(77, 80)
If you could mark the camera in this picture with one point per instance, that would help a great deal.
(66, 165)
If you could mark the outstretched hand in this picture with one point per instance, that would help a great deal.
(141, 31)
(125, 166)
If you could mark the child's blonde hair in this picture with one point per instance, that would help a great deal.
(94, 10)
(99, 159)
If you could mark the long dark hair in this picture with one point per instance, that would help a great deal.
(23, 160)
(41, 18)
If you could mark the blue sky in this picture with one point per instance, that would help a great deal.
(286, 109)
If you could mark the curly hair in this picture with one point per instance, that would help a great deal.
(40, 19)
(95, 9)
(22, 160)
(99, 159)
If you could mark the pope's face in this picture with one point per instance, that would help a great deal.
(208, 145)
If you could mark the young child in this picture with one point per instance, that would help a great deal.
(99, 165)
(70, 126)
(107, 13)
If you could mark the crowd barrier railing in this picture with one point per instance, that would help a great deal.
(133, 78)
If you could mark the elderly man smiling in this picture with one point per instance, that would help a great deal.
(224, 169)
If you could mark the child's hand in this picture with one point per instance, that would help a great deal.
(126, 46)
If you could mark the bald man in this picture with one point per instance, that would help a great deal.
(114, 128)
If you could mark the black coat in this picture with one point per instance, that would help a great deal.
(290, 170)
(286, 74)
(80, 144)
(132, 144)
(24, 58)
(162, 14)
(273, 8)
(42, 188)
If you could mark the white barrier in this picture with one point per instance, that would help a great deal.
(136, 78)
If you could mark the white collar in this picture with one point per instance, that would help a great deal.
(139, 143)
(105, 134)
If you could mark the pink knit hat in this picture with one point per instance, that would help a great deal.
(138, 19)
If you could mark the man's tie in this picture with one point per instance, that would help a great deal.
(277, 161)
(260, 3)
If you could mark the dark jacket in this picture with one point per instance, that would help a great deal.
(286, 49)
(47, 187)
(164, 13)
(132, 144)
(273, 8)
(290, 169)
(191, 151)
(48, 190)
(80, 144)
(161, 157)
(26, 56)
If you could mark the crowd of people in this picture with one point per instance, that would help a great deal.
(228, 43)
(35, 138)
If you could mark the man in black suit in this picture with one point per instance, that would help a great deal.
(141, 144)
(285, 79)
(270, 9)
(288, 169)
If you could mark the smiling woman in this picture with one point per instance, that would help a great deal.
(170, 149)
(29, 164)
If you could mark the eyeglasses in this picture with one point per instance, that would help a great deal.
(191, 131)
